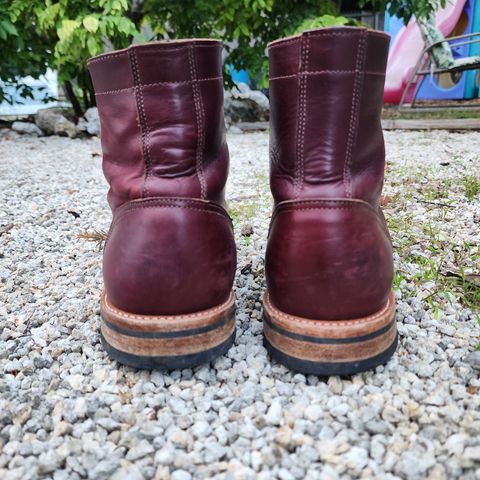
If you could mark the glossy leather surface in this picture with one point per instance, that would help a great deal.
(326, 142)
(328, 259)
(161, 115)
(168, 256)
(163, 138)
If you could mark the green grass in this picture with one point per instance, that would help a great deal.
(437, 191)
(426, 248)
(471, 184)
(246, 209)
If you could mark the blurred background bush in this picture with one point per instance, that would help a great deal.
(60, 35)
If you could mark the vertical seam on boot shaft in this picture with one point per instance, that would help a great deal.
(305, 84)
(142, 120)
(354, 111)
(301, 116)
(199, 114)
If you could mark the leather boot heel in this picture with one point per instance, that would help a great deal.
(330, 347)
(170, 257)
(167, 342)
(329, 309)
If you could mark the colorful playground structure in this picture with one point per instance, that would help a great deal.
(457, 18)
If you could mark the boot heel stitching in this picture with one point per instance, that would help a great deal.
(354, 112)
(202, 313)
(185, 207)
(293, 318)
(142, 118)
(197, 98)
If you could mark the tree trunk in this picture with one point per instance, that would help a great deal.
(73, 99)
(93, 100)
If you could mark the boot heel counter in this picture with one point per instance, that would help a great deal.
(169, 256)
(328, 259)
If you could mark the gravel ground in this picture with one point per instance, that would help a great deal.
(68, 412)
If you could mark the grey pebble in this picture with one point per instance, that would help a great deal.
(180, 475)
(473, 359)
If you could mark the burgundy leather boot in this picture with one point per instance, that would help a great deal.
(329, 307)
(170, 257)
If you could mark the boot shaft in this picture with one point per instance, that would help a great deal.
(326, 90)
(162, 126)
(328, 254)
(169, 260)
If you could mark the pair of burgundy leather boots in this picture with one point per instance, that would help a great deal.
(170, 258)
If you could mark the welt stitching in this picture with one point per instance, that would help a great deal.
(145, 134)
(197, 97)
(324, 72)
(146, 85)
(328, 322)
(354, 113)
(166, 317)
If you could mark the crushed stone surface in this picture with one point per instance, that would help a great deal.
(69, 412)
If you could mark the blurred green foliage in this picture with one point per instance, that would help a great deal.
(63, 34)
(324, 21)
(404, 9)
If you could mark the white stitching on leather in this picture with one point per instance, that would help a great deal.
(293, 318)
(354, 112)
(123, 314)
(308, 34)
(197, 97)
(142, 118)
(302, 114)
(146, 85)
